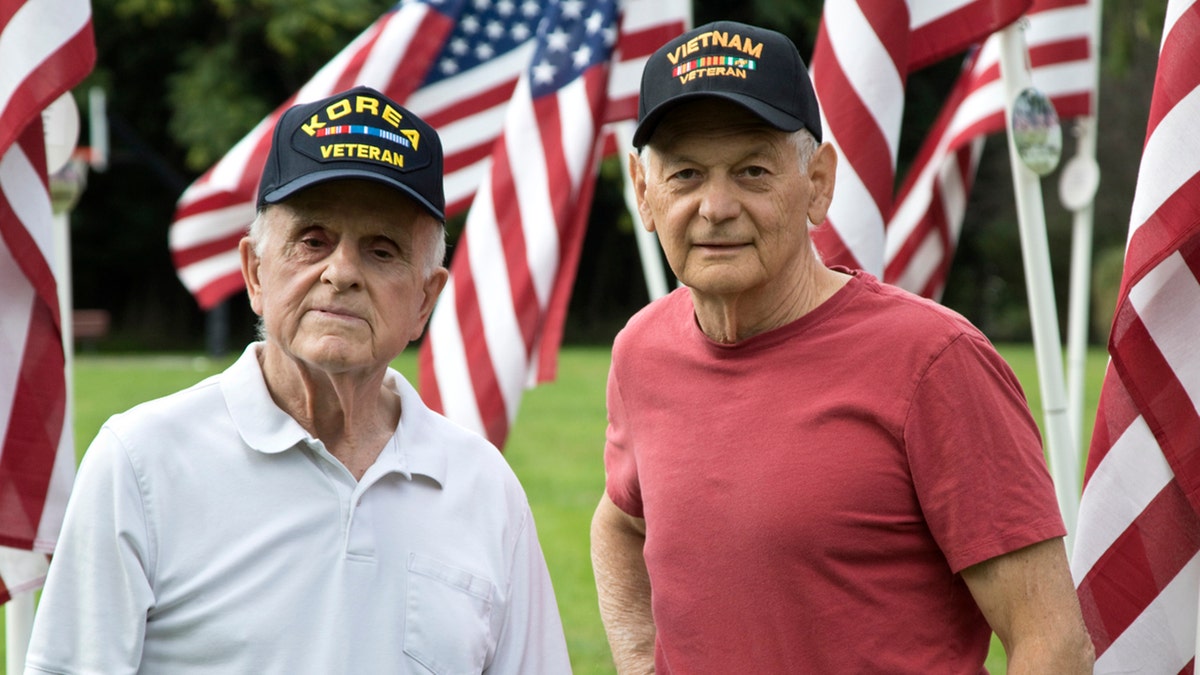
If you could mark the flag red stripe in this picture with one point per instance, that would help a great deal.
(202, 252)
(45, 83)
(884, 16)
(488, 396)
(1177, 72)
(1114, 414)
(1138, 566)
(954, 32)
(485, 99)
(833, 250)
(572, 226)
(1164, 230)
(507, 208)
(220, 288)
(31, 444)
(431, 393)
(863, 141)
(1158, 394)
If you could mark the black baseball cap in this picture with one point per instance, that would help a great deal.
(359, 133)
(757, 68)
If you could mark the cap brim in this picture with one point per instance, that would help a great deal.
(769, 114)
(308, 180)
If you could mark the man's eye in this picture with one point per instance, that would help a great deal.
(755, 171)
(686, 174)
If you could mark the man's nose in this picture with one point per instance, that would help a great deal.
(718, 200)
(343, 267)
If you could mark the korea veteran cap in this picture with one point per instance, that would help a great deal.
(358, 133)
(756, 68)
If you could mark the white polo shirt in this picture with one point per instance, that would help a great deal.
(209, 533)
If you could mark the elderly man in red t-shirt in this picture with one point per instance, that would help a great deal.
(808, 471)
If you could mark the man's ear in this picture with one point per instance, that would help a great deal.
(250, 268)
(637, 176)
(822, 174)
(432, 288)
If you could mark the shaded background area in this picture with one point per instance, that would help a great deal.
(186, 79)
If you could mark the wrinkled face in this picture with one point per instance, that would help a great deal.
(343, 277)
(729, 198)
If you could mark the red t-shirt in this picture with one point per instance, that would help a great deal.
(812, 492)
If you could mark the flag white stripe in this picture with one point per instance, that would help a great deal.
(210, 225)
(393, 43)
(205, 271)
(501, 332)
(450, 365)
(1171, 157)
(19, 564)
(922, 12)
(35, 32)
(577, 136)
(1171, 318)
(462, 184)
(854, 204)
(1119, 489)
(869, 67)
(1175, 9)
(527, 166)
(29, 200)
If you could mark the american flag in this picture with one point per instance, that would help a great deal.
(1136, 561)
(453, 62)
(925, 221)
(864, 51)
(46, 47)
(498, 324)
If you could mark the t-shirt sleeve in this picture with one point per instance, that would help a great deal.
(976, 457)
(620, 460)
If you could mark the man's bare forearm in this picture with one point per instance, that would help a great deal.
(623, 587)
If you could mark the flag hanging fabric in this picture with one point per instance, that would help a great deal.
(46, 47)
(453, 62)
(864, 51)
(923, 227)
(497, 328)
(1136, 561)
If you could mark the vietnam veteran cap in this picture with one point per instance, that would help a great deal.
(359, 133)
(756, 68)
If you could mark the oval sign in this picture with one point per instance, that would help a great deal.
(1036, 131)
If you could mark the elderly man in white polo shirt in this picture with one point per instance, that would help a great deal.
(304, 511)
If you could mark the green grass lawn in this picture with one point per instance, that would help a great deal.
(555, 448)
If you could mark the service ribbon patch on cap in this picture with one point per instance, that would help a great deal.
(361, 128)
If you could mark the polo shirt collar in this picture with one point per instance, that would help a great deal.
(265, 427)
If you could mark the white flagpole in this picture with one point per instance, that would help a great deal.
(1077, 191)
(652, 267)
(1035, 254)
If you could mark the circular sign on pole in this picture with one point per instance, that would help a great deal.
(60, 122)
(1036, 131)
(1078, 183)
